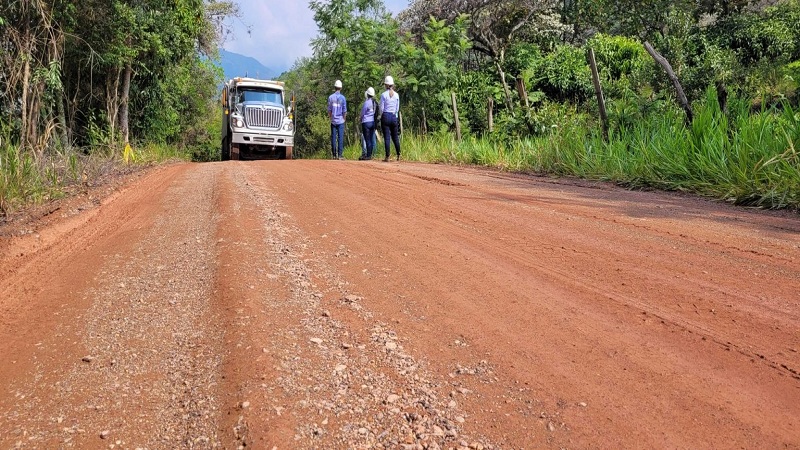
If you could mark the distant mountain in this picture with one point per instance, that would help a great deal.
(236, 65)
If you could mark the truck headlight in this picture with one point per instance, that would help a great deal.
(237, 122)
(288, 126)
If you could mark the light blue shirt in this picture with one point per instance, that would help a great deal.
(337, 106)
(390, 104)
(368, 111)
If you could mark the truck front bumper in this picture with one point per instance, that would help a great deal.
(269, 139)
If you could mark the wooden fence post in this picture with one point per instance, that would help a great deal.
(490, 114)
(682, 100)
(424, 123)
(523, 94)
(598, 89)
(455, 115)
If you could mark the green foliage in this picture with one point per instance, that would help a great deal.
(431, 78)
(741, 158)
(563, 75)
(772, 35)
(473, 90)
(619, 56)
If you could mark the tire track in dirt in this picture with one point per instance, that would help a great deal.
(329, 304)
(130, 359)
(569, 321)
(313, 367)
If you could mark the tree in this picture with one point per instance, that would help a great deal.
(494, 24)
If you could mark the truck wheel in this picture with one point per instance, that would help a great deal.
(226, 148)
(287, 152)
(235, 152)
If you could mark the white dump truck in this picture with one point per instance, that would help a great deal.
(257, 122)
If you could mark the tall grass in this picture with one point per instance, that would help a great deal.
(28, 177)
(740, 157)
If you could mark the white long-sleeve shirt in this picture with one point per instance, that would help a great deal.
(390, 103)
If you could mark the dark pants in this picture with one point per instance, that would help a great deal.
(391, 129)
(337, 137)
(368, 130)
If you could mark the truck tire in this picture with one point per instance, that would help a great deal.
(235, 152)
(226, 148)
(287, 152)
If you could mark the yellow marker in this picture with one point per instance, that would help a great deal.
(127, 154)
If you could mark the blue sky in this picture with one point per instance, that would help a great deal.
(280, 30)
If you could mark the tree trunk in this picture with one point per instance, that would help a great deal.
(62, 120)
(682, 100)
(505, 85)
(722, 96)
(26, 76)
(123, 103)
(112, 102)
(34, 108)
(490, 114)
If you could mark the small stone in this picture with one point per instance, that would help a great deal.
(550, 426)
(452, 404)
(391, 346)
(583, 404)
(245, 405)
(392, 398)
(437, 431)
(316, 340)
(352, 298)
(104, 434)
(326, 313)
(459, 419)
(340, 368)
(362, 431)
(346, 346)
(87, 359)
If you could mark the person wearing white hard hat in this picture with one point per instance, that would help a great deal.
(337, 112)
(390, 105)
(369, 112)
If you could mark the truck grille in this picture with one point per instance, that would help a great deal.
(257, 117)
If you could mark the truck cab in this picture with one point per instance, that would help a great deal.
(257, 123)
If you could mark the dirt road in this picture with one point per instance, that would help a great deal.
(338, 305)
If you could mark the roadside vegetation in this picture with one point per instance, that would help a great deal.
(93, 88)
(736, 138)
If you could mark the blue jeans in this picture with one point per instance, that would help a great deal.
(391, 130)
(337, 137)
(368, 134)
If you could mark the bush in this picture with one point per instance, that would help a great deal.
(563, 75)
(772, 34)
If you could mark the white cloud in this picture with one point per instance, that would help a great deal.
(280, 30)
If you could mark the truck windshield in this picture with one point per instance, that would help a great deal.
(248, 95)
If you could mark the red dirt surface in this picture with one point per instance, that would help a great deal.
(328, 304)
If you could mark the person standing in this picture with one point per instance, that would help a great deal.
(390, 105)
(368, 123)
(337, 112)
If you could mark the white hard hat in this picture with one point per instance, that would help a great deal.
(389, 80)
(371, 92)
(338, 84)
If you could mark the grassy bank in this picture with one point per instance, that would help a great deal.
(737, 156)
(29, 177)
